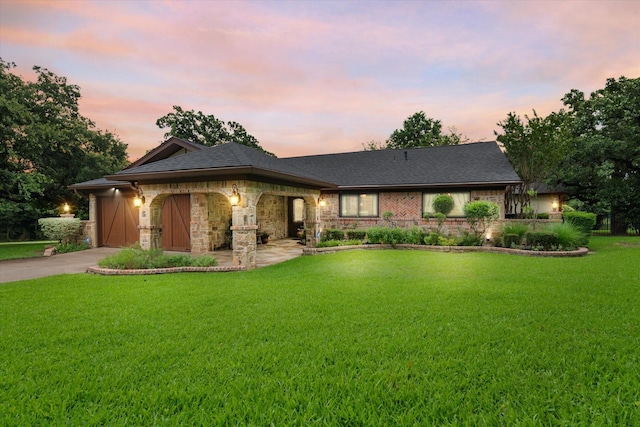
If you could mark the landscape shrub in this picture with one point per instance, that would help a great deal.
(332, 234)
(415, 236)
(583, 221)
(436, 239)
(356, 234)
(134, 258)
(375, 234)
(517, 228)
(64, 230)
(480, 215)
(63, 248)
(542, 215)
(511, 240)
(542, 240)
(443, 203)
(469, 239)
(396, 236)
(569, 237)
(333, 243)
(440, 218)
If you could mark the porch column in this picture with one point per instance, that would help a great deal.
(311, 225)
(150, 224)
(244, 236)
(92, 224)
(200, 238)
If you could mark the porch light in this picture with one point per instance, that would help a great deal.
(138, 200)
(554, 205)
(234, 199)
(322, 202)
(66, 208)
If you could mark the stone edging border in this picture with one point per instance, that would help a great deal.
(115, 272)
(458, 249)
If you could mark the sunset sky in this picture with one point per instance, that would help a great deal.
(320, 77)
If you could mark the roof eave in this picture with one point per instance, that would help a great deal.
(216, 172)
(432, 185)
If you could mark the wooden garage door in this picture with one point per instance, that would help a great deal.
(176, 223)
(117, 221)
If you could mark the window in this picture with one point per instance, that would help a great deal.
(359, 205)
(459, 200)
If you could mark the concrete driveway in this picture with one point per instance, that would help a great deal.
(33, 268)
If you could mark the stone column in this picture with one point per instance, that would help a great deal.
(200, 239)
(91, 227)
(244, 236)
(311, 224)
(150, 224)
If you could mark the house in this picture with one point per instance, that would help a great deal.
(183, 196)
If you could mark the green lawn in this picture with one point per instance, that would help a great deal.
(18, 250)
(360, 338)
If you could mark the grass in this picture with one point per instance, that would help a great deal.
(19, 250)
(354, 338)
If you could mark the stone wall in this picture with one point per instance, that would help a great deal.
(272, 216)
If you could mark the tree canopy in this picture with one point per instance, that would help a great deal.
(602, 166)
(205, 129)
(535, 147)
(47, 145)
(418, 130)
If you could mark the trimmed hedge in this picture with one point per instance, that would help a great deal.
(356, 234)
(443, 203)
(543, 239)
(332, 234)
(583, 221)
(64, 230)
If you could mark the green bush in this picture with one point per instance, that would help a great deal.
(375, 235)
(64, 230)
(332, 234)
(542, 240)
(517, 228)
(569, 237)
(443, 203)
(435, 239)
(511, 240)
(356, 234)
(134, 258)
(468, 239)
(333, 243)
(480, 215)
(583, 221)
(415, 236)
(63, 248)
(542, 215)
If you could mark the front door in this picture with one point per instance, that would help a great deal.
(296, 216)
(176, 223)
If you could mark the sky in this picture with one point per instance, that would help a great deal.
(315, 77)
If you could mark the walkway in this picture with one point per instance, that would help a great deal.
(78, 262)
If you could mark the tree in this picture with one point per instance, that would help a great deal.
(602, 167)
(535, 147)
(421, 131)
(205, 129)
(46, 146)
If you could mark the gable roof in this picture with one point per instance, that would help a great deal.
(479, 163)
(168, 149)
(476, 164)
(221, 160)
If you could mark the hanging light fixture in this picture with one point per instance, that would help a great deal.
(322, 202)
(234, 199)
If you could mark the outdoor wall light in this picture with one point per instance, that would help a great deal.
(234, 199)
(138, 200)
(554, 205)
(322, 202)
(66, 208)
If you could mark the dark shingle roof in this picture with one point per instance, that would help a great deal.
(476, 163)
(481, 163)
